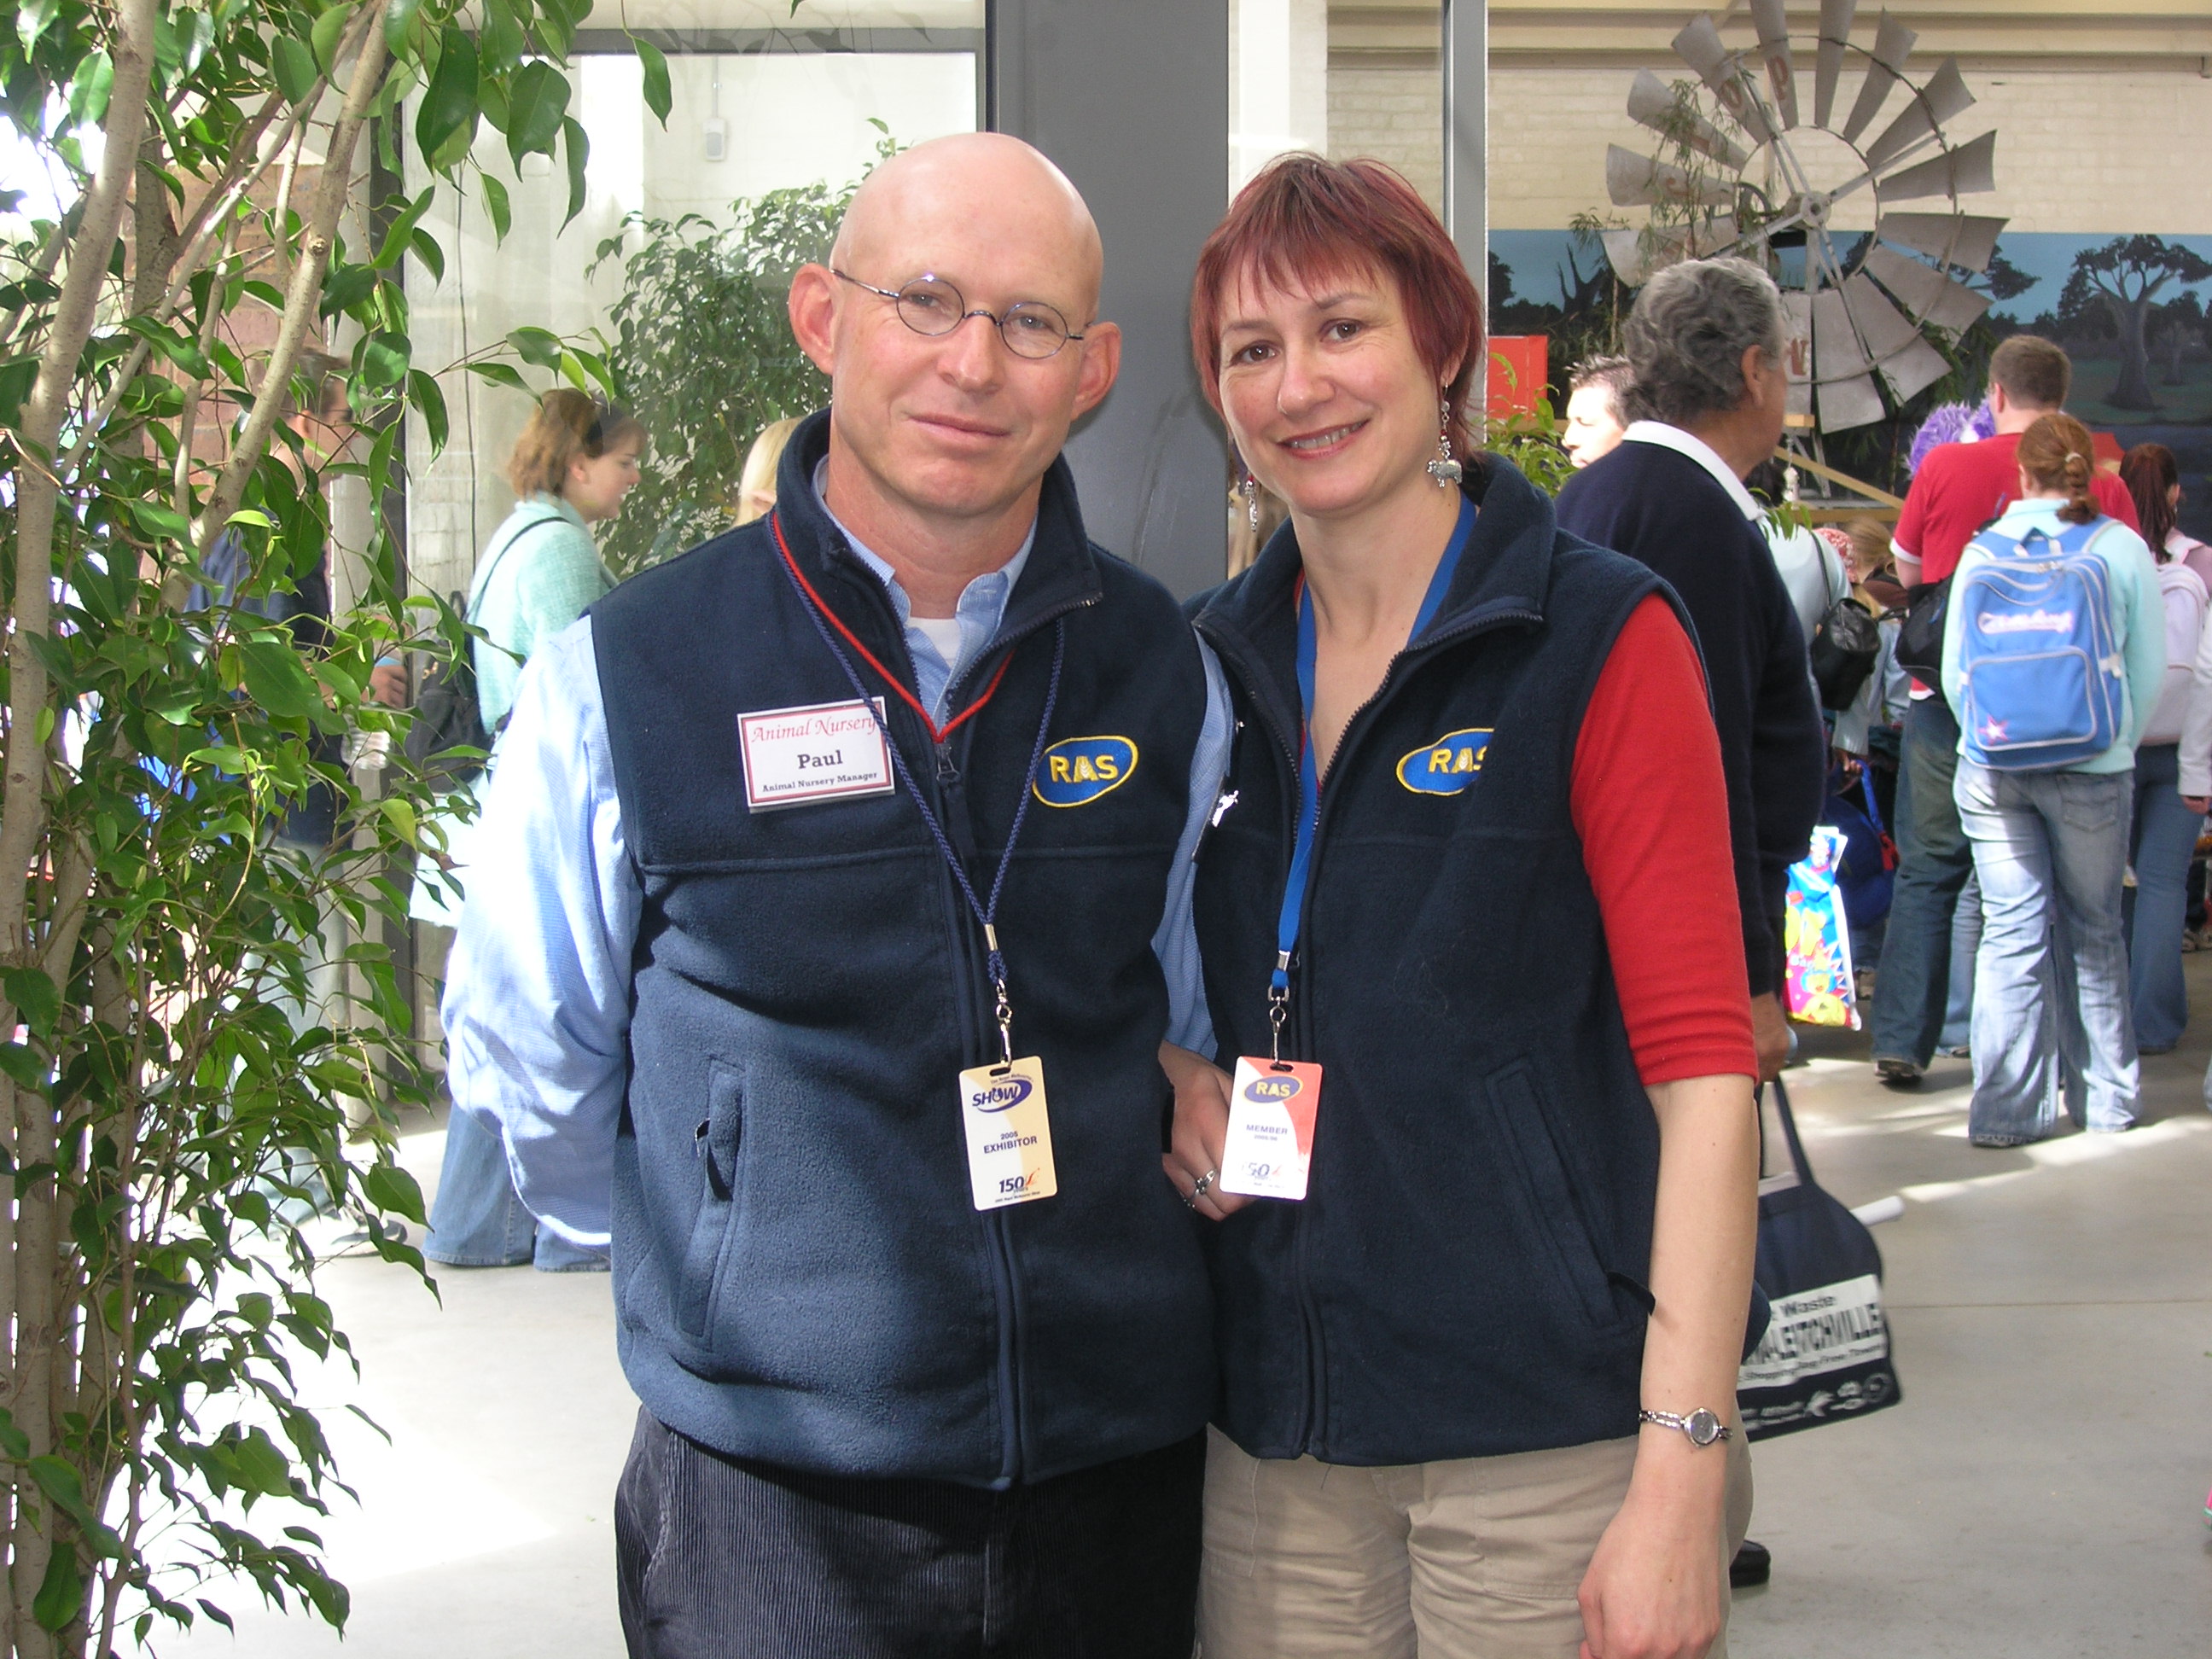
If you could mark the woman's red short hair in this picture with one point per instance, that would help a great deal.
(1305, 219)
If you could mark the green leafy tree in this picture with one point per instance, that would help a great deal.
(704, 355)
(2124, 278)
(175, 1095)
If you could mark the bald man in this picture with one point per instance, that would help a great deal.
(831, 919)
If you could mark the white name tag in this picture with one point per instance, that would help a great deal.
(824, 751)
(1269, 1147)
(1009, 1130)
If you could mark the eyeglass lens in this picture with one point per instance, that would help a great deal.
(1031, 329)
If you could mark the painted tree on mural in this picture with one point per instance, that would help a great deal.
(2124, 279)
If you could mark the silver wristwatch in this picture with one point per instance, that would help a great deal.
(1702, 1426)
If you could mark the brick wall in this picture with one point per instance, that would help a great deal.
(1394, 115)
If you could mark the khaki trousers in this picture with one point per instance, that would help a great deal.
(1475, 1558)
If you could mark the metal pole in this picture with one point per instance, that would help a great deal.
(1467, 133)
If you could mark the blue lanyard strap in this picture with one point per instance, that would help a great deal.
(1291, 915)
(984, 914)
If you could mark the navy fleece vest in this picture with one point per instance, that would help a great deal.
(1463, 1277)
(800, 1275)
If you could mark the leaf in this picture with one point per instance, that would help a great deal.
(32, 18)
(13, 1441)
(275, 679)
(329, 30)
(449, 102)
(579, 152)
(431, 402)
(500, 374)
(37, 1002)
(87, 98)
(391, 1188)
(260, 1467)
(401, 228)
(495, 209)
(534, 105)
(399, 20)
(162, 521)
(61, 1597)
(500, 43)
(18, 376)
(535, 345)
(658, 98)
(30, 1071)
(173, 348)
(60, 1481)
(384, 358)
(293, 66)
(346, 286)
(426, 251)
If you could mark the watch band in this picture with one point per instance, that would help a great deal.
(1702, 1427)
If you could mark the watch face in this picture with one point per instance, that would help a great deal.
(1703, 1428)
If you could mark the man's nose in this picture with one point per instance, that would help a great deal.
(972, 355)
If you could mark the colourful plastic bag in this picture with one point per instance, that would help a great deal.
(1817, 938)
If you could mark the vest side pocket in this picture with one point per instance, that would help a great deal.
(715, 1145)
(1555, 1217)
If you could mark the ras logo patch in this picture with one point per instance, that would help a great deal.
(1447, 765)
(1076, 771)
(1271, 1091)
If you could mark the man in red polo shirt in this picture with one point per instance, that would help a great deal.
(1958, 488)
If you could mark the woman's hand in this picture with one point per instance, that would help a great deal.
(1201, 1125)
(1654, 1588)
(2199, 804)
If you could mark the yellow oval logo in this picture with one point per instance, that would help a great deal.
(1447, 765)
(1076, 771)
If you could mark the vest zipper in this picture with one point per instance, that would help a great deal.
(1312, 1409)
(982, 1036)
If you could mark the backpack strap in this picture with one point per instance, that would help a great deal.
(481, 586)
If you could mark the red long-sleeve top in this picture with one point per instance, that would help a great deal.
(1651, 807)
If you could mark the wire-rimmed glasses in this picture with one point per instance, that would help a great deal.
(929, 304)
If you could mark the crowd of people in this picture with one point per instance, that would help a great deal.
(1118, 1124)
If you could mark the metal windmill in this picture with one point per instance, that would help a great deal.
(1853, 317)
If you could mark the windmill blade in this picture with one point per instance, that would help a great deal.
(1944, 97)
(1844, 388)
(1651, 104)
(1715, 235)
(1797, 350)
(1624, 250)
(1893, 45)
(1962, 172)
(1773, 27)
(1835, 17)
(1928, 295)
(1905, 359)
(1700, 46)
(1965, 241)
(1633, 181)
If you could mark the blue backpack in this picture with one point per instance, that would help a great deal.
(2044, 684)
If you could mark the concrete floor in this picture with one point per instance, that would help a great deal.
(2036, 1495)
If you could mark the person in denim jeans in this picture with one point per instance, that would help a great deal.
(2050, 849)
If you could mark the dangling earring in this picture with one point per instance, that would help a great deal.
(1444, 469)
(1249, 488)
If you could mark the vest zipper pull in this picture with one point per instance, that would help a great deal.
(946, 771)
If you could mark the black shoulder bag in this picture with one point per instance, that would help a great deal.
(1845, 648)
(1920, 642)
(447, 741)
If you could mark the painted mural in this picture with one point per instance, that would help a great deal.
(2134, 312)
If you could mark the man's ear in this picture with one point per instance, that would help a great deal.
(1102, 363)
(813, 308)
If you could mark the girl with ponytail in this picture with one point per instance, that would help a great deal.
(2055, 458)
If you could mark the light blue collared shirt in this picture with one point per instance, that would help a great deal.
(537, 995)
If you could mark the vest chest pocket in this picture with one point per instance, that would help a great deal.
(716, 1143)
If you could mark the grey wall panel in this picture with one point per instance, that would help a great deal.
(1131, 98)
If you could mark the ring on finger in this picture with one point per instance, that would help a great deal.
(1198, 1188)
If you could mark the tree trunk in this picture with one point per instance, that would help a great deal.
(2133, 389)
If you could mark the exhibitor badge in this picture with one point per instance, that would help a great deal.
(824, 751)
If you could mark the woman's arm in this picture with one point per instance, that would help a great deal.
(1653, 1589)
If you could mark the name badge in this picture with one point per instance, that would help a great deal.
(824, 751)
(1269, 1147)
(1009, 1133)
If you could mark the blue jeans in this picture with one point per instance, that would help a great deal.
(2163, 841)
(1933, 863)
(2051, 1026)
(1965, 945)
(477, 1221)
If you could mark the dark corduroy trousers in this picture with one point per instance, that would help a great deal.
(723, 1558)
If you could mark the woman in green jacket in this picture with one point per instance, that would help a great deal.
(571, 468)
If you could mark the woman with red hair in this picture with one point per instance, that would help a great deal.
(1485, 1176)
